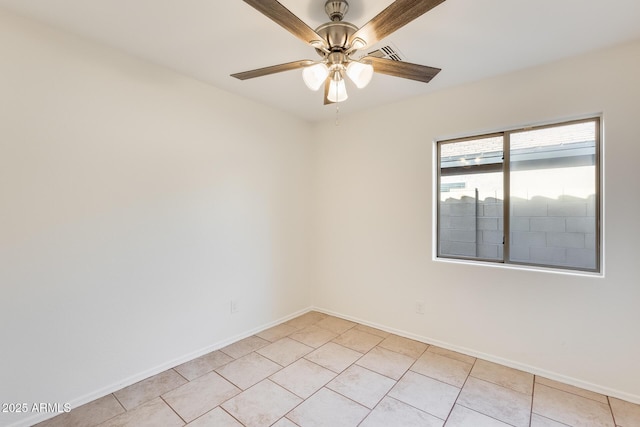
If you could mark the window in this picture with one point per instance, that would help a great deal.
(539, 186)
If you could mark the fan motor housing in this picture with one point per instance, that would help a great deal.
(337, 35)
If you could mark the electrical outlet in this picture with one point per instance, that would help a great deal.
(234, 306)
(420, 308)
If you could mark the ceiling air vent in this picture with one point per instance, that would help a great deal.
(388, 51)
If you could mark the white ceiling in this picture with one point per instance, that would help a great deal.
(468, 39)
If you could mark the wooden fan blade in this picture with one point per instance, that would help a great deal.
(326, 92)
(397, 15)
(287, 20)
(272, 69)
(405, 70)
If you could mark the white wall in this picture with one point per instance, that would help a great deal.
(374, 215)
(134, 204)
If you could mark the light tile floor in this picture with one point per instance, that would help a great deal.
(319, 370)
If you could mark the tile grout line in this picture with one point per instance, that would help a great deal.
(613, 416)
(371, 370)
(576, 394)
(185, 378)
(238, 386)
(435, 379)
(395, 382)
(533, 394)
(303, 400)
(349, 398)
(409, 404)
(499, 385)
(474, 410)
(120, 403)
(460, 392)
(417, 373)
(226, 412)
(174, 411)
(110, 418)
(488, 416)
(550, 419)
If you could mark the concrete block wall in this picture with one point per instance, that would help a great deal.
(551, 231)
(546, 231)
(470, 228)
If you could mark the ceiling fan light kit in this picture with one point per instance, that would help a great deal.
(337, 40)
(337, 88)
(314, 75)
(360, 73)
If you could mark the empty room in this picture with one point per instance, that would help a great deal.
(304, 213)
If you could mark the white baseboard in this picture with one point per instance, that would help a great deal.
(633, 398)
(156, 370)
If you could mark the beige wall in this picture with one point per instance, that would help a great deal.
(374, 211)
(134, 204)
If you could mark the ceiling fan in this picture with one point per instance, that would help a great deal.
(338, 40)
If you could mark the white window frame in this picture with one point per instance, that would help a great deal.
(506, 261)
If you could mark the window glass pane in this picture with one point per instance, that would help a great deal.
(471, 199)
(553, 196)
